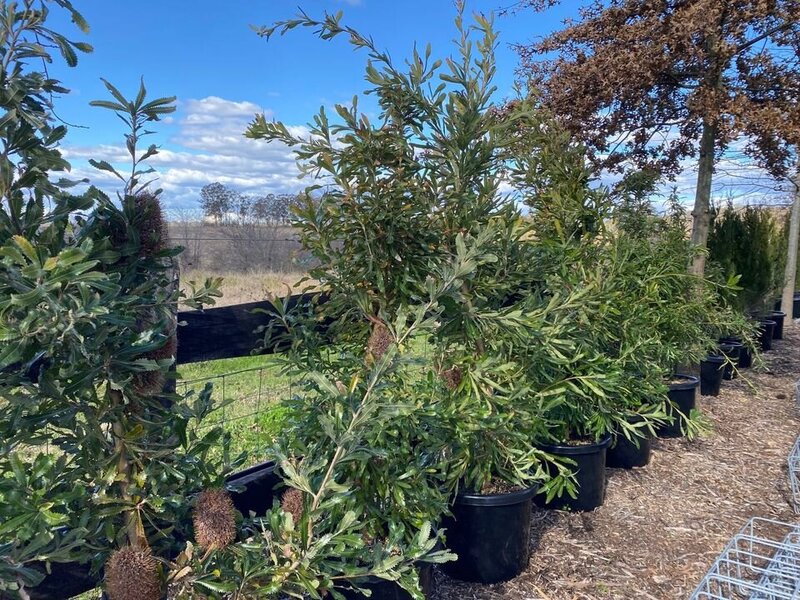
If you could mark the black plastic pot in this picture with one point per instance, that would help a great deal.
(590, 474)
(766, 328)
(795, 306)
(745, 360)
(779, 317)
(712, 368)
(490, 534)
(684, 396)
(254, 488)
(625, 454)
(381, 589)
(64, 581)
(733, 351)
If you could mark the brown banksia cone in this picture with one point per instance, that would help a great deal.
(452, 377)
(292, 503)
(379, 342)
(150, 224)
(214, 519)
(168, 350)
(132, 574)
(150, 383)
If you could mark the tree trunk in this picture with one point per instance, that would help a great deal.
(701, 214)
(787, 300)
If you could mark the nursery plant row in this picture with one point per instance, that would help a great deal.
(562, 320)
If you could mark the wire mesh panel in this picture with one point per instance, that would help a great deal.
(797, 392)
(761, 562)
(251, 405)
(794, 474)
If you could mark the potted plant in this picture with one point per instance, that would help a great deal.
(386, 224)
(106, 453)
(746, 242)
(611, 381)
(374, 249)
(352, 516)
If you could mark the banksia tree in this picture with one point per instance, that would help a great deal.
(214, 519)
(73, 351)
(132, 574)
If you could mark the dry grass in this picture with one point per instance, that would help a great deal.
(662, 526)
(239, 288)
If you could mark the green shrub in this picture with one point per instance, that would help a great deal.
(747, 242)
(93, 457)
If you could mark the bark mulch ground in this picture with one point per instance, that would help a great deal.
(662, 526)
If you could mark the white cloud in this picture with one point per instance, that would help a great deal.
(209, 146)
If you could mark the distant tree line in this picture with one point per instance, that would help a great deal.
(223, 204)
(247, 232)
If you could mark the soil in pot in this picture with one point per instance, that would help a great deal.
(257, 488)
(590, 475)
(779, 317)
(766, 328)
(490, 534)
(712, 368)
(626, 454)
(382, 589)
(683, 396)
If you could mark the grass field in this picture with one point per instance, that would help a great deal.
(251, 390)
(240, 288)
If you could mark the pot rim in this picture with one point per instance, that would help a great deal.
(504, 499)
(777, 313)
(565, 450)
(252, 473)
(714, 358)
(690, 383)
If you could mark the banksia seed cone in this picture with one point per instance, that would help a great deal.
(149, 383)
(379, 342)
(132, 574)
(168, 350)
(214, 519)
(452, 377)
(151, 226)
(292, 503)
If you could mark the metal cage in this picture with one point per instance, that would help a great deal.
(794, 474)
(761, 562)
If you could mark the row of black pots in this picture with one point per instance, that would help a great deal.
(795, 306)
(491, 533)
(715, 368)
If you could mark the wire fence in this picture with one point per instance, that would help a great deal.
(251, 405)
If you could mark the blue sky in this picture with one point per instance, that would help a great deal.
(205, 53)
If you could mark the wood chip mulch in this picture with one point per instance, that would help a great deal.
(662, 526)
